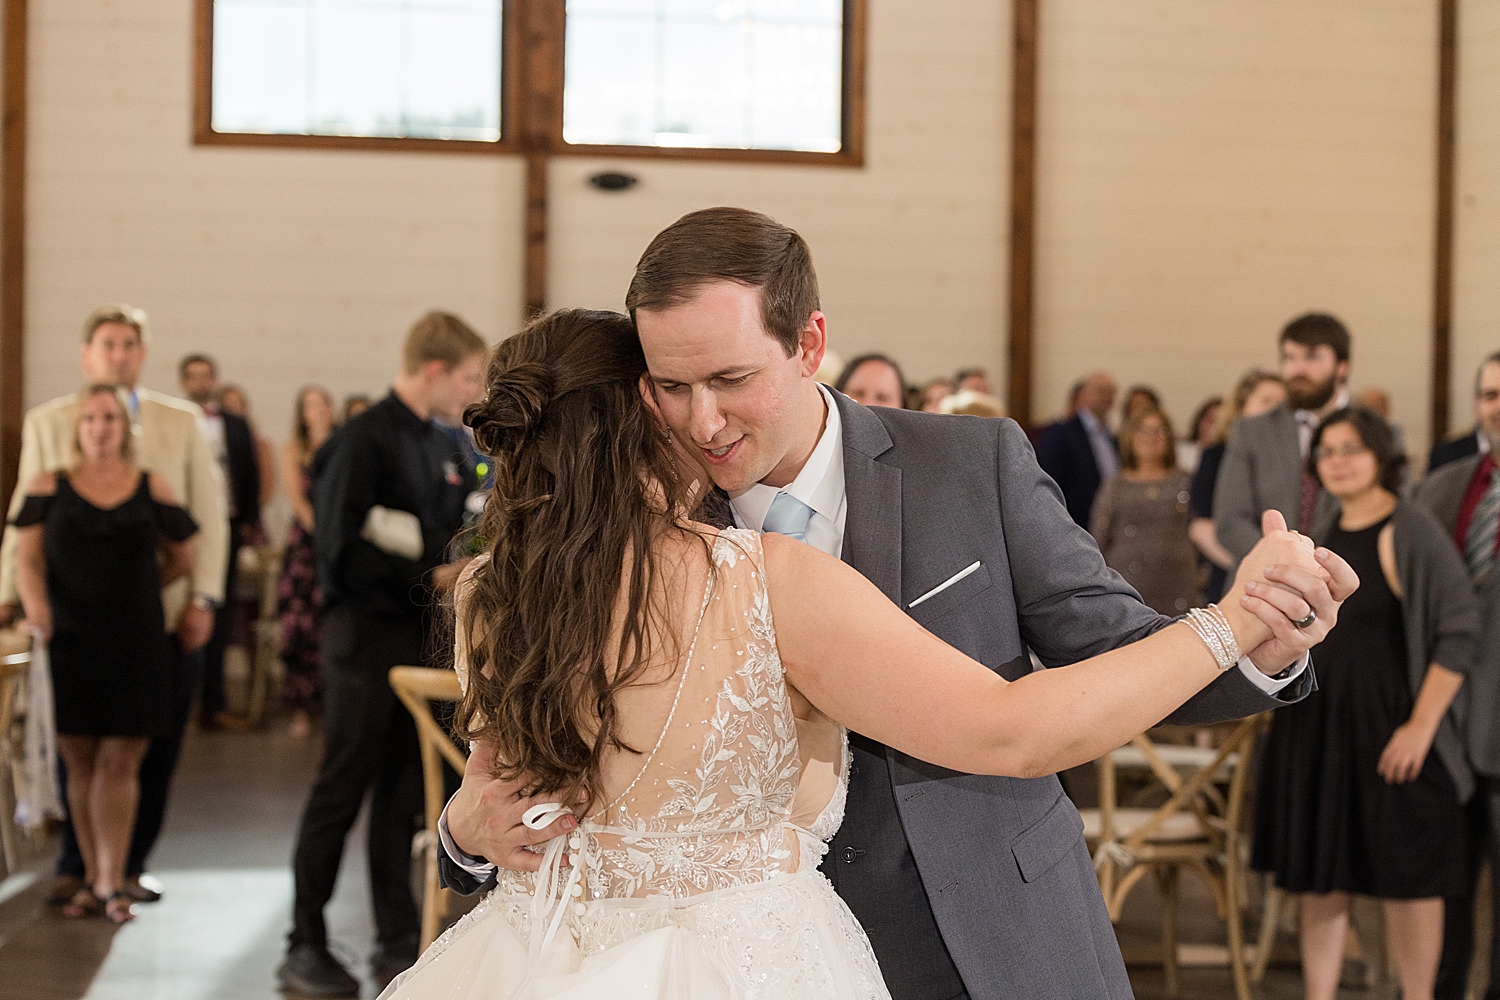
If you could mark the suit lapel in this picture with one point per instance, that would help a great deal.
(1450, 497)
(872, 528)
(1289, 453)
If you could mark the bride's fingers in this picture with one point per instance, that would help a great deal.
(1342, 581)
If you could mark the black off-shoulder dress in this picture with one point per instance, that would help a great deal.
(111, 662)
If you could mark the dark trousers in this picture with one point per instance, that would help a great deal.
(1482, 826)
(369, 745)
(157, 768)
(213, 653)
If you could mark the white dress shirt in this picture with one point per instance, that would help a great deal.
(820, 485)
(1308, 421)
(1101, 443)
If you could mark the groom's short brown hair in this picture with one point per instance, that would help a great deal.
(730, 244)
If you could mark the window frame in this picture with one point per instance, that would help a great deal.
(533, 35)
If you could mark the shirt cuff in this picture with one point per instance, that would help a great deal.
(479, 868)
(1273, 685)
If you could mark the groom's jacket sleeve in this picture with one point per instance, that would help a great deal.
(1072, 606)
(455, 878)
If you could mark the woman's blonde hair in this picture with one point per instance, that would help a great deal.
(117, 393)
(1238, 397)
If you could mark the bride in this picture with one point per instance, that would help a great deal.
(684, 692)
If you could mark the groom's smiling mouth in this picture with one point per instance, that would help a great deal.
(720, 456)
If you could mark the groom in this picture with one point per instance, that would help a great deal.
(969, 886)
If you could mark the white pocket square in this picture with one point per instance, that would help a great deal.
(395, 531)
(946, 584)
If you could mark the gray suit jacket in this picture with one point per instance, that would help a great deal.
(1441, 494)
(1262, 470)
(1002, 860)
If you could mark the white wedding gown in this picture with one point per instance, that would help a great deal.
(700, 879)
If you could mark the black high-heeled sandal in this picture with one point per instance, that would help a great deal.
(119, 908)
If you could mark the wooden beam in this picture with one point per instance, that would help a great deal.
(1442, 270)
(1022, 205)
(540, 128)
(12, 243)
(536, 235)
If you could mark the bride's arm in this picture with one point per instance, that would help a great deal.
(867, 665)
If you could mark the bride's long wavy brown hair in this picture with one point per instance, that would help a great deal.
(583, 478)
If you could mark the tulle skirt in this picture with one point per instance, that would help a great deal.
(790, 937)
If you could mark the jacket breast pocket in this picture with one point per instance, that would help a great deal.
(1048, 840)
(948, 595)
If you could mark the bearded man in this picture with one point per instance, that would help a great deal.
(1265, 465)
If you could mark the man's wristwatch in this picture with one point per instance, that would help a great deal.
(205, 603)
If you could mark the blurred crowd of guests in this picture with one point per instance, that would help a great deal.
(136, 513)
(136, 510)
(1385, 782)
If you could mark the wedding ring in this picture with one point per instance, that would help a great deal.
(1312, 616)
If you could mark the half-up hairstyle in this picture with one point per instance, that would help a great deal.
(584, 477)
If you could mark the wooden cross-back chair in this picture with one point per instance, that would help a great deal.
(1197, 828)
(418, 687)
(15, 663)
(265, 635)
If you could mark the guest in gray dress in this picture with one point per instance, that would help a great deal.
(1140, 517)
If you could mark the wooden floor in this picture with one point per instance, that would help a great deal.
(224, 857)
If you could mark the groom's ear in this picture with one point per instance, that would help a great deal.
(648, 396)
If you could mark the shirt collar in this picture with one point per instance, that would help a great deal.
(820, 484)
(1091, 422)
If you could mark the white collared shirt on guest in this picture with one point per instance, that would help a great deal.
(820, 485)
(1308, 421)
(1101, 443)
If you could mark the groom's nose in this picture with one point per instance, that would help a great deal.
(705, 420)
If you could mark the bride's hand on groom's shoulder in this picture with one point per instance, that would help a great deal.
(1283, 580)
(485, 817)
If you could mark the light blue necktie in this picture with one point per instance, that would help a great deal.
(788, 516)
(1479, 550)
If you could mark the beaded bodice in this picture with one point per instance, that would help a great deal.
(744, 782)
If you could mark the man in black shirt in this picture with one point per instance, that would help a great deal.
(388, 500)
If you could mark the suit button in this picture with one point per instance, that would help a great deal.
(850, 854)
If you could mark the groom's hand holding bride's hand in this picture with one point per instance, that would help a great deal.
(484, 816)
(1283, 580)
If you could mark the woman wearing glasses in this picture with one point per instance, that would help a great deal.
(1362, 782)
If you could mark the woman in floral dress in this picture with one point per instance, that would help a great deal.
(299, 601)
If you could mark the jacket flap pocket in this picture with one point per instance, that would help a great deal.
(935, 603)
(1048, 839)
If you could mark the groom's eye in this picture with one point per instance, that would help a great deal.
(737, 380)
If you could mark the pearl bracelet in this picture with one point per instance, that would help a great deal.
(1213, 628)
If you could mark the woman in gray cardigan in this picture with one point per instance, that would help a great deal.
(1362, 782)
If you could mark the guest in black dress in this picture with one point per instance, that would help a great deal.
(1256, 392)
(1362, 782)
(90, 582)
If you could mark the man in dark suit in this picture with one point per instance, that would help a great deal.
(968, 886)
(1464, 496)
(233, 445)
(1079, 453)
